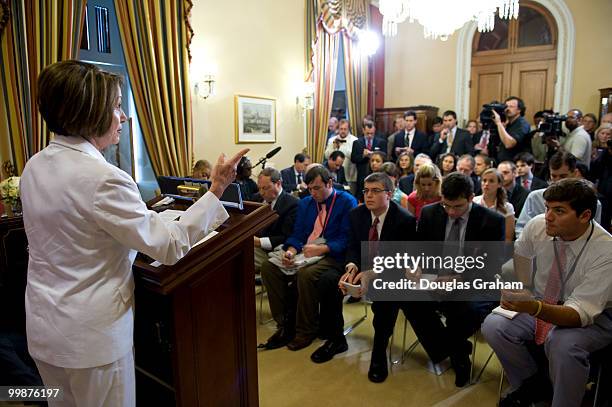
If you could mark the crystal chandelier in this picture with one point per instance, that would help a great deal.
(440, 18)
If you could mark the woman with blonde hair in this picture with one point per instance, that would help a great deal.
(494, 197)
(405, 164)
(602, 135)
(426, 188)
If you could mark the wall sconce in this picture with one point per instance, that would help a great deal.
(306, 98)
(205, 87)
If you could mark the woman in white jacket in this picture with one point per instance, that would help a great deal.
(85, 222)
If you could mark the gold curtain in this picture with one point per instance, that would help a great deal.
(155, 37)
(324, 72)
(326, 21)
(356, 78)
(38, 34)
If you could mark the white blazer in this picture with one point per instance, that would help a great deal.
(85, 221)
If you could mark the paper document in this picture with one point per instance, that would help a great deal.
(352, 289)
(276, 258)
(505, 312)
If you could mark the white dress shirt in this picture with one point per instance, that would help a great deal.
(350, 168)
(85, 221)
(589, 289)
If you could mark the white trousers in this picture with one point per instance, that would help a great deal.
(112, 385)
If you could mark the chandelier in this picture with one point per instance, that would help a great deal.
(441, 18)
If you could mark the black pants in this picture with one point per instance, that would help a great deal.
(438, 340)
(331, 322)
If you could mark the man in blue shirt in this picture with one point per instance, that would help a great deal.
(321, 229)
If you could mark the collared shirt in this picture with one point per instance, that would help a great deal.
(589, 289)
(85, 221)
(338, 225)
(529, 179)
(409, 137)
(381, 221)
(350, 168)
(535, 205)
(297, 175)
(450, 138)
(265, 242)
(463, 224)
(578, 142)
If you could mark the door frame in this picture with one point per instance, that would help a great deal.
(564, 67)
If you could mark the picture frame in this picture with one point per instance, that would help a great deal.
(254, 119)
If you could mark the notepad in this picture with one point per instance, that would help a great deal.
(352, 289)
(504, 312)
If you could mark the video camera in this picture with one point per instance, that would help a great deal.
(488, 119)
(552, 125)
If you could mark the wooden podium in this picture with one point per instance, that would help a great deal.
(195, 326)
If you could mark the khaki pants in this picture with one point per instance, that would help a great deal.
(260, 256)
(297, 296)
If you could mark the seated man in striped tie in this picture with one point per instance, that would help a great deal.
(296, 301)
(568, 310)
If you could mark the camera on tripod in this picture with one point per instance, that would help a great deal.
(552, 125)
(488, 119)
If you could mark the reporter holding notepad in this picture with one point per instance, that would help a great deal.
(85, 221)
(378, 219)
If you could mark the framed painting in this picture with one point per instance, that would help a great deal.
(254, 119)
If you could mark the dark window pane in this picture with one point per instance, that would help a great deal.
(103, 29)
(85, 32)
(533, 28)
(496, 39)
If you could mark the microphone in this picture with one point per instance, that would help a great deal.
(270, 154)
(273, 152)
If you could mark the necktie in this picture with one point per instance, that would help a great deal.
(369, 147)
(450, 139)
(318, 225)
(373, 239)
(552, 292)
(299, 178)
(454, 234)
(526, 184)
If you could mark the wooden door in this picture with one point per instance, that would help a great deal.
(489, 83)
(517, 58)
(534, 82)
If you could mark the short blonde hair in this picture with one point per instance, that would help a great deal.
(427, 170)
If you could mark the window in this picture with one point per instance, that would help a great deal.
(496, 39)
(339, 109)
(103, 48)
(533, 28)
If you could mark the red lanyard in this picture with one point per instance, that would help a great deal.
(328, 214)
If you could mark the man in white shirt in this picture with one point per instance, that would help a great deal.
(578, 141)
(568, 310)
(344, 142)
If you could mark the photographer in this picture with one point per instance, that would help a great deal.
(578, 141)
(513, 133)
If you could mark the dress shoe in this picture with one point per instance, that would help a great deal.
(300, 342)
(534, 389)
(378, 371)
(462, 366)
(330, 348)
(280, 338)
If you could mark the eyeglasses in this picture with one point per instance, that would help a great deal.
(374, 191)
(448, 207)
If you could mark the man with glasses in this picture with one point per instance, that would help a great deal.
(379, 219)
(561, 165)
(454, 219)
(309, 303)
(284, 204)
